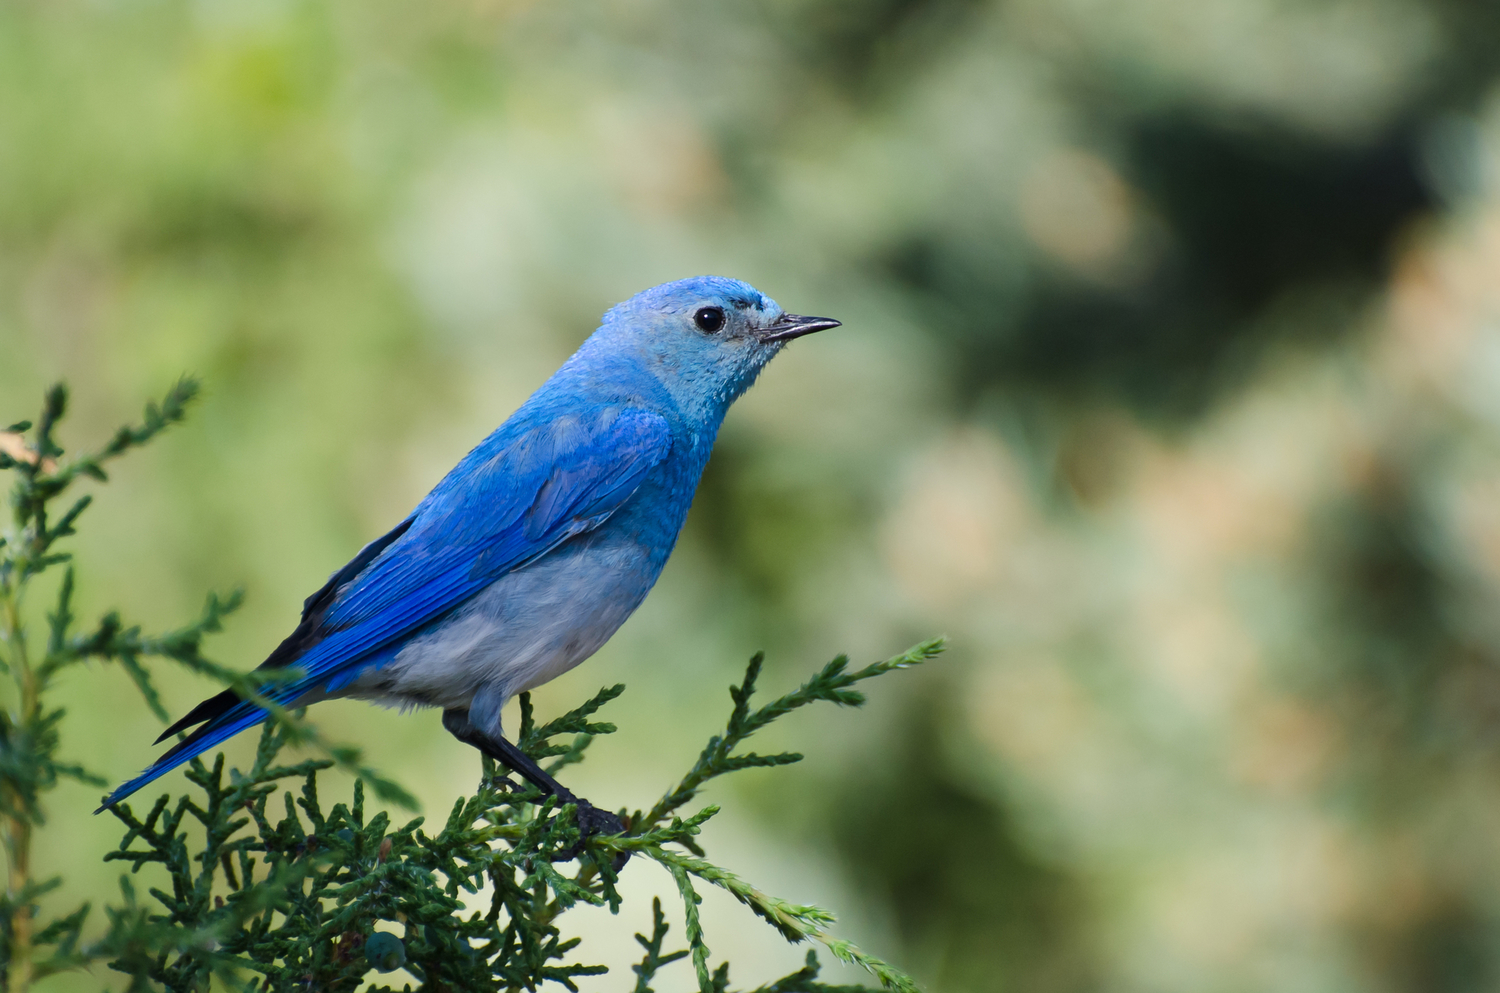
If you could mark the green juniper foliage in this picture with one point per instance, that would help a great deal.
(276, 892)
(30, 766)
(313, 898)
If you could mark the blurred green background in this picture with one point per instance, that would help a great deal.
(1169, 388)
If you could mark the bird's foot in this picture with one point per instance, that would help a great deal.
(591, 821)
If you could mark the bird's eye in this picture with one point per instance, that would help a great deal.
(709, 319)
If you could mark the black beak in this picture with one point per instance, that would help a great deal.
(789, 326)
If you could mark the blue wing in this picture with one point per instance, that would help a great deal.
(524, 491)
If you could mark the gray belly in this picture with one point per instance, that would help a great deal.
(530, 626)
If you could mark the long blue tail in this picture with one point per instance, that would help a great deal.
(239, 717)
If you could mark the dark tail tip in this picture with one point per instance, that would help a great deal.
(205, 711)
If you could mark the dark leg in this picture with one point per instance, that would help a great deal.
(591, 820)
(507, 754)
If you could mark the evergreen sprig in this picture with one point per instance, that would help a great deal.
(31, 948)
(832, 684)
(533, 739)
(30, 739)
(654, 958)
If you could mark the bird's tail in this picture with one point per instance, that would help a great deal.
(228, 724)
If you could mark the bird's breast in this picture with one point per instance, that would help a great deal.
(526, 628)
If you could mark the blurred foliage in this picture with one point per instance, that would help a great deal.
(1167, 387)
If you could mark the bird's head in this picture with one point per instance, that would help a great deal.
(705, 338)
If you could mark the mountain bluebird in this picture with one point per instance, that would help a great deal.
(537, 546)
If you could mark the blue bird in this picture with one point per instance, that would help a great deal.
(537, 546)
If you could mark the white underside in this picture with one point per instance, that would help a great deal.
(531, 626)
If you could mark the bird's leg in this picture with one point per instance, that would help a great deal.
(591, 820)
(457, 723)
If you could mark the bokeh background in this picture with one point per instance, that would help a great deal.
(1169, 388)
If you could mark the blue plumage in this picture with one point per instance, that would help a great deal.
(533, 550)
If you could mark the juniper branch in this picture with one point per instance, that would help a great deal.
(535, 741)
(653, 960)
(830, 684)
(796, 922)
(311, 888)
(690, 902)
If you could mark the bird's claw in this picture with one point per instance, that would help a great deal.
(591, 821)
